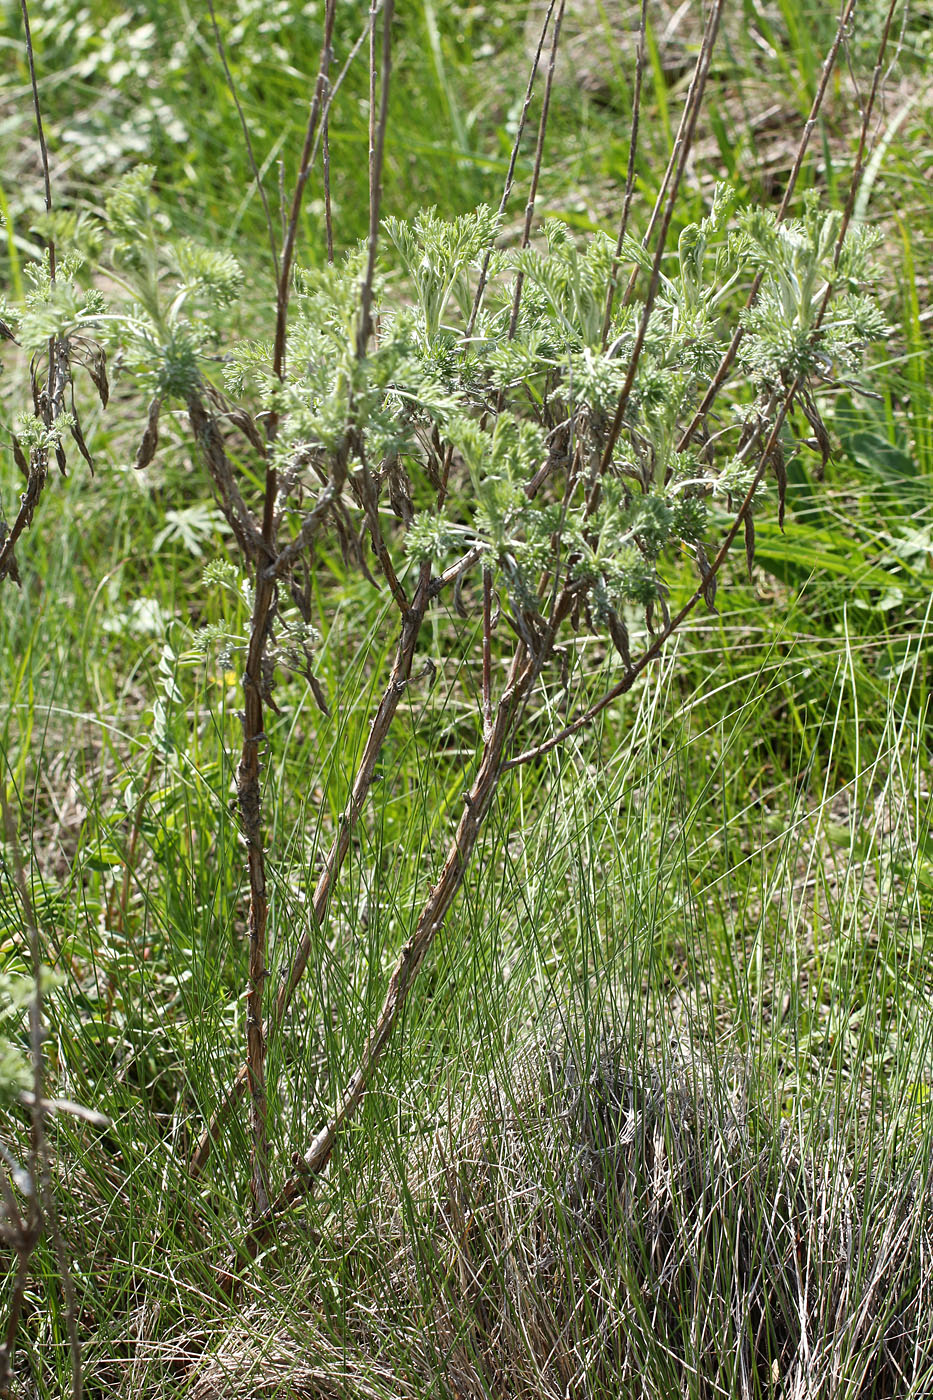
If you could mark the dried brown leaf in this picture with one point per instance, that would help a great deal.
(780, 476)
(78, 435)
(749, 544)
(317, 690)
(619, 634)
(707, 578)
(20, 458)
(150, 440)
(96, 364)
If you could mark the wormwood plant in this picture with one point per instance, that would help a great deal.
(529, 437)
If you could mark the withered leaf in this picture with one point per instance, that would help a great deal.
(61, 459)
(707, 578)
(97, 369)
(78, 436)
(749, 544)
(361, 555)
(812, 414)
(619, 634)
(665, 610)
(400, 491)
(317, 690)
(780, 476)
(20, 458)
(8, 569)
(150, 440)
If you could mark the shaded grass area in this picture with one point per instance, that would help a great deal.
(659, 1115)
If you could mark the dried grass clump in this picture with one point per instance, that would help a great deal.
(292, 1366)
(594, 1228)
(622, 1231)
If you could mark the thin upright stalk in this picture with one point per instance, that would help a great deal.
(683, 144)
(249, 802)
(510, 173)
(728, 358)
(630, 171)
(256, 685)
(334, 859)
(328, 209)
(257, 178)
(375, 179)
(536, 170)
(476, 805)
(40, 129)
(304, 170)
(58, 376)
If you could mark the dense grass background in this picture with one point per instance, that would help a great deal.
(725, 893)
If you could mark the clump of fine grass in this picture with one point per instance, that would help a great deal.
(597, 1224)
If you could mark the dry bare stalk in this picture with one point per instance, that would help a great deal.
(829, 64)
(257, 545)
(257, 178)
(476, 803)
(325, 160)
(371, 153)
(536, 171)
(867, 115)
(510, 173)
(40, 129)
(682, 141)
(377, 153)
(382, 720)
(630, 172)
(257, 685)
(262, 549)
(249, 801)
(683, 146)
(304, 170)
(487, 652)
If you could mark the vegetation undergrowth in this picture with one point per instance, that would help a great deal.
(654, 1115)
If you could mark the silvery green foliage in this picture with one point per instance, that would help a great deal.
(507, 416)
(797, 260)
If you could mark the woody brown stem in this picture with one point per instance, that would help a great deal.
(249, 801)
(385, 713)
(476, 805)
